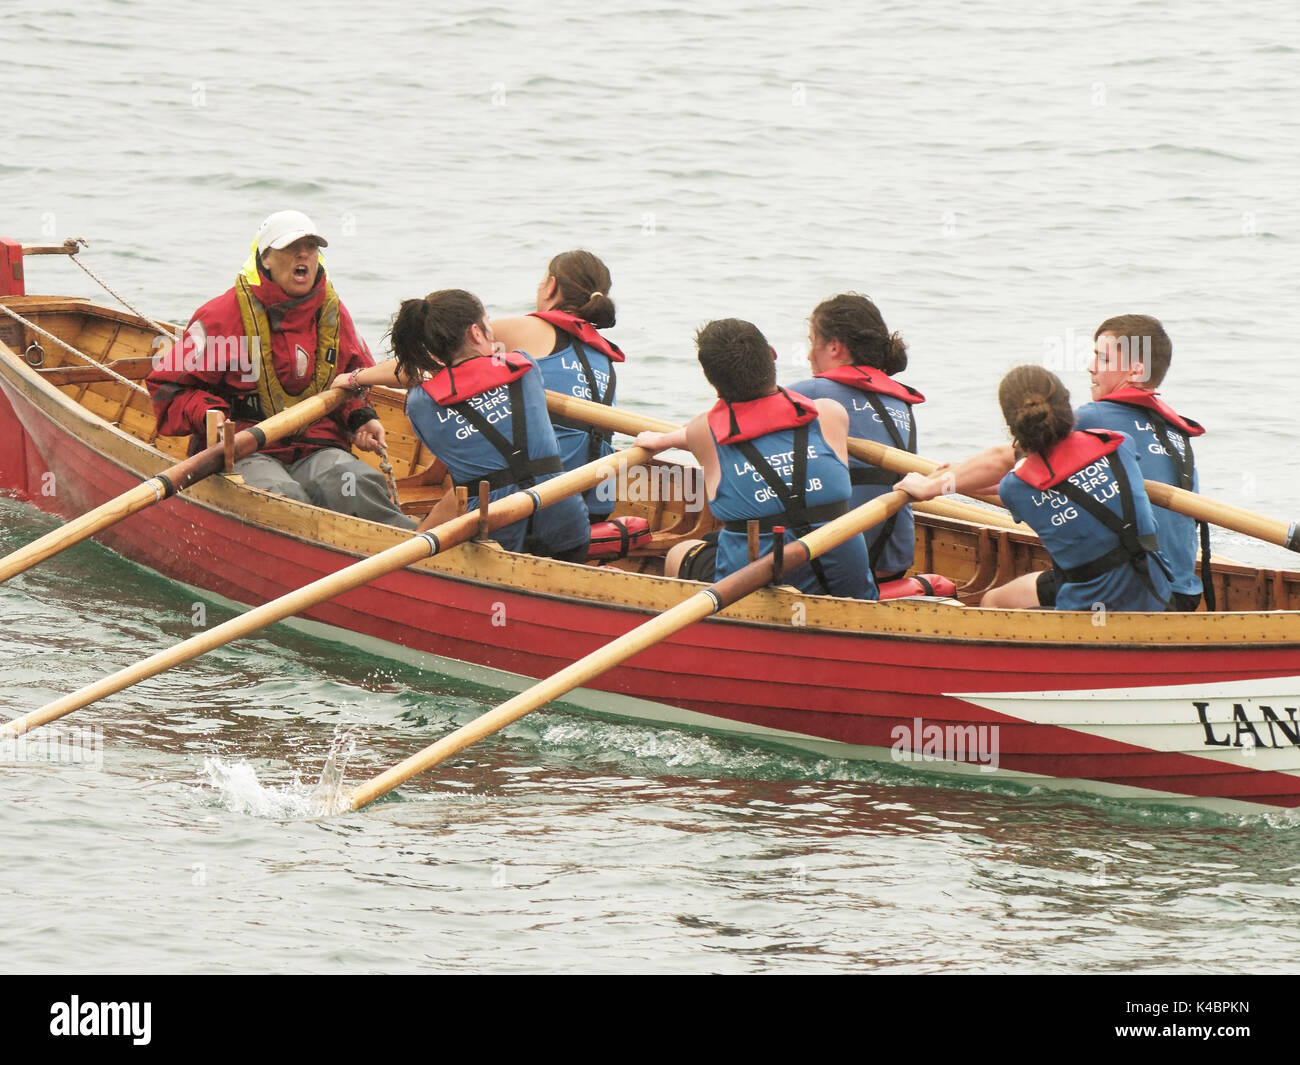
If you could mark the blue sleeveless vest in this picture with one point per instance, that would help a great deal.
(564, 371)
(1076, 539)
(1177, 531)
(897, 553)
(744, 493)
(472, 455)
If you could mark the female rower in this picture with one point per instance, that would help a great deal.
(854, 357)
(1081, 491)
(572, 303)
(482, 413)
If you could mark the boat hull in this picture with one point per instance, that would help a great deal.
(1192, 709)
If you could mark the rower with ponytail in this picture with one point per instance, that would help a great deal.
(1081, 491)
(573, 304)
(854, 358)
(483, 413)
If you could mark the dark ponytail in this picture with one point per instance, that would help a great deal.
(584, 284)
(1037, 408)
(427, 334)
(856, 322)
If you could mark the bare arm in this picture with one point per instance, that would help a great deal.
(834, 422)
(653, 441)
(525, 334)
(974, 474)
(384, 373)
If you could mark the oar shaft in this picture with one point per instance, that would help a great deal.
(512, 508)
(128, 503)
(1202, 508)
(700, 605)
(172, 480)
(947, 507)
(277, 610)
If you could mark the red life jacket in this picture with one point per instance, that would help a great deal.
(618, 537)
(932, 584)
(455, 384)
(733, 423)
(1081, 448)
(869, 379)
(583, 330)
(1140, 397)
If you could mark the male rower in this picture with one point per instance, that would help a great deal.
(1131, 356)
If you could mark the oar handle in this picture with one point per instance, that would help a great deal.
(698, 606)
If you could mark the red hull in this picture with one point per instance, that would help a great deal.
(844, 688)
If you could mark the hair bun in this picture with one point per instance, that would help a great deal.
(598, 310)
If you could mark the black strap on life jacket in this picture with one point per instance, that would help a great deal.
(815, 515)
(798, 518)
(1134, 549)
(885, 477)
(519, 469)
(1185, 463)
(596, 438)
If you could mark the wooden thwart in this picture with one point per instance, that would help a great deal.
(133, 369)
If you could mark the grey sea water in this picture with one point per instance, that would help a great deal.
(998, 178)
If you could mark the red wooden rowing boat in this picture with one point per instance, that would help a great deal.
(1201, 709)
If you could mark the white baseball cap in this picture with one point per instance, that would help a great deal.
(283, 228)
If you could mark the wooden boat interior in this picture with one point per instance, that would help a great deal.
(977, 548)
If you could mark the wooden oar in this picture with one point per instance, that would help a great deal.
(887, 458)
(1225, 515)
(701, 605)
(512, 508)
(172, 480)
(1191, 504)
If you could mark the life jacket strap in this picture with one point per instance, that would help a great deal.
(1185, 462)
(801, 523)
(860, 475)
(872, 475)
(1117, 556)
(514, 451)
(791, 499)
(524, 476)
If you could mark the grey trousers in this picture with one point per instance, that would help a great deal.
(330, 478)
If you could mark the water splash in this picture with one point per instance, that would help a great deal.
(328, 793)
(241, 792)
